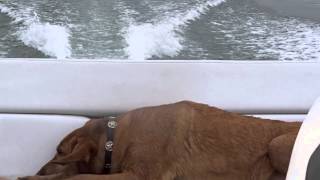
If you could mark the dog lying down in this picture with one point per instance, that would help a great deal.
(181, 141)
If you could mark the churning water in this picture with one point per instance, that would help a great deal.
(153, 29)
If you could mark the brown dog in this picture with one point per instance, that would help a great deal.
(182, 141)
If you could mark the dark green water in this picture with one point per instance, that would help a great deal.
(154, 29)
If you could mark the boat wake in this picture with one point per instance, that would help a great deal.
(162, 38)
(147, 29)
(52, 40)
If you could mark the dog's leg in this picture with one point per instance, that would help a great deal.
(280, 150)
(122, 176)
(262, 170)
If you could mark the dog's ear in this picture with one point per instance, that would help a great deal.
(82, 152)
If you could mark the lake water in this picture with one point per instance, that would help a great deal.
(154, 29)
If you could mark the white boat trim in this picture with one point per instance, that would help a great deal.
(101, 87)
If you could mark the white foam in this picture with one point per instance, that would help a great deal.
(147, 40)
(52, 40)
(161, 39)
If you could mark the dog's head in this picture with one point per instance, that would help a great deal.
(74, 155)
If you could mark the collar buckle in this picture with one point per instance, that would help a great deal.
(109, 145)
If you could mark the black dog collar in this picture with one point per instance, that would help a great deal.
(111, 125)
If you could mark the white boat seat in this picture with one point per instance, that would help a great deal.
(27, 142)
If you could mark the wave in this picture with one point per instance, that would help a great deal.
(283, 38)
(162, 39)
(52, 40)
(301, 41)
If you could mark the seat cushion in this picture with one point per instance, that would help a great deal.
(27, 142)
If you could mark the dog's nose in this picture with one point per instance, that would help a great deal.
(22, 178)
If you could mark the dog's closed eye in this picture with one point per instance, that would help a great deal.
(67, 146)
(60, 151)
(80, 150)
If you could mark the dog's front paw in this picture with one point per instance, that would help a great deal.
(5, 178)
(46, 177)
(29, 178)
(23, 178)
